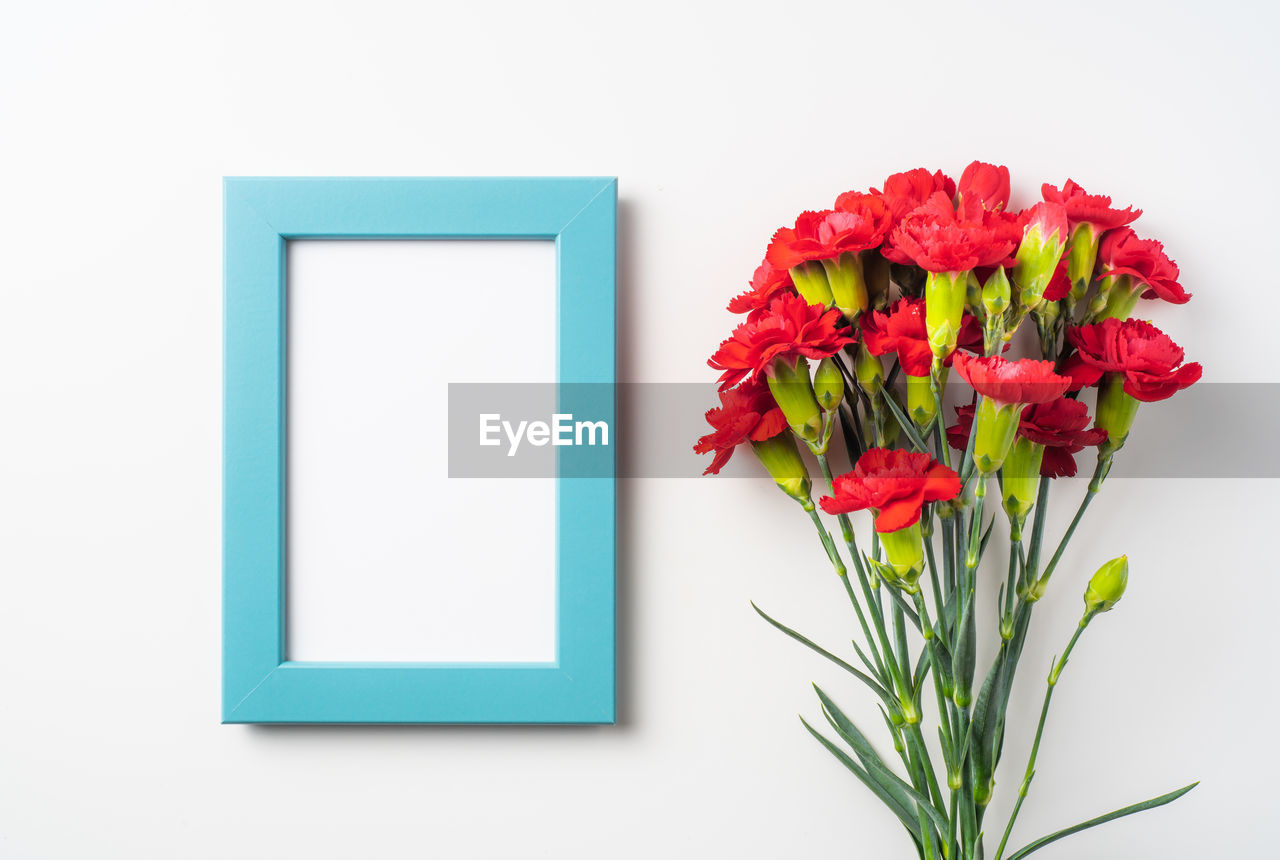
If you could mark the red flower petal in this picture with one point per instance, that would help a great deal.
(1144, 260)
(1023, 381)
(987, 184)
(789, 328)
(747, 412)
(893, 482)
(1149, 360)
(1085, 208)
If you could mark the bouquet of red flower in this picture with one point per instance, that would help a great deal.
(968, 275)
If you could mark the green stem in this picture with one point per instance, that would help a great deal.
(953, 840)
(841, 571)
(944, 452)
(1054, 673)
(827, 543)
(935, 664)
(1095, 485)
(877, 617)
(1037, 533)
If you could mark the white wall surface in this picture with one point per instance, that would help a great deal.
(722, 121)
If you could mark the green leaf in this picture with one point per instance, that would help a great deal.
(853, 670)
(852, 441)
(894, 732)
(945, 743)
(922, 669)
(982, 544)
(1103, 819)
(983, 727)
(904, 422)
(863, 657)
(963, 659)
(877, 769)
(908, 820)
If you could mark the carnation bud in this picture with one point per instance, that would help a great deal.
(1115, 413)
(944, 294)
(781, 459)
(1039, 252)
(904, 551)
(869, 370)
(848, 288)
(922, 406)
(810, 278)
(1107, 586)
(1020, 482)
(875, 271)
(1082, 254)
(994, 431)
(828, 385)
(793, 392)
(996, 292)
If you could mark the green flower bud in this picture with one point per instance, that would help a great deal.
(1082, 254)
(875, 271)
(944, 294)
(828, 385)
(904, 551)
(1115, 413)
(996, 292)
(1039, 252)
(994, 433)
(810, 278)
(1021, 482)
(921, 404)
(848, 287)
(794, 395)
(869, 370)
(1107, 586)
(781, 459)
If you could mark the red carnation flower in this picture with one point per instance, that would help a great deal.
(830, 233)
(936, 239)
(1147, 357)
(1026, 380)
(790, 328)
(893, 483)
(902, 330)
(985, 184)
(904, 192)
(766, 283)
(1092, 209)
(1059, 285)
(1144, 260)
(746, 413)
(1061, 426)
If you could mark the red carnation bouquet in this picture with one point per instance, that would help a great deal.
(857, 319)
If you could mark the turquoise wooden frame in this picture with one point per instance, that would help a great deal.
(259, 684)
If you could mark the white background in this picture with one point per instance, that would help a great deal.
(388, 557)
(722, 121)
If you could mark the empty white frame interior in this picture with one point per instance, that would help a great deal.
(388, 559)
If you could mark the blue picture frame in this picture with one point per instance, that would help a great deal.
(259, 684)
